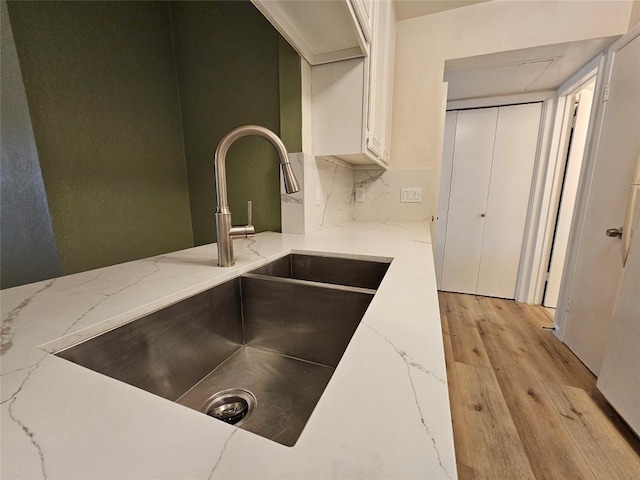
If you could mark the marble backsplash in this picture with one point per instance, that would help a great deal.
(328, 195)
(382, 195)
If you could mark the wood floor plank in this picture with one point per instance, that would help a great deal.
(503, 347)
(557, 363)
(605, 450)
(468, 473)
(463, 459)
(465, 339)
(530, 381)
(541, 351)
(550, 449)
(498, 450)
(551, 359)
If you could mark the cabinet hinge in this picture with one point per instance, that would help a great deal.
(607, 91)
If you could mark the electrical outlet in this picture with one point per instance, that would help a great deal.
(360, 194)
(411, 195)
(317, 195)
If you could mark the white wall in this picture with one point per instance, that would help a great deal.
(424, 43)
(635, 14)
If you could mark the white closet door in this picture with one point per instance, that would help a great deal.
(443, 196)
(514, 156)
(475, 133)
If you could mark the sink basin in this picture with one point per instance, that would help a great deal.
(256, 351)
(355, 272)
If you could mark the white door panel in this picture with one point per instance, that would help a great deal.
(599, 269)
(510, 186)
(475, 133)
(445, 184)
(619, 378)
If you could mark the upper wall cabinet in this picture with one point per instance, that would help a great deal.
(322, 31)
(351, 99)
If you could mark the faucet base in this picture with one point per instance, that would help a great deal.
(225, 234)
(225, 243)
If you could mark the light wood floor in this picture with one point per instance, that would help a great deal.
(523, 406)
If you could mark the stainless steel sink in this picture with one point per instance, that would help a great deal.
(266, 345)
(355, 272)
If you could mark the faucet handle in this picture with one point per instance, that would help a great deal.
(244, 231)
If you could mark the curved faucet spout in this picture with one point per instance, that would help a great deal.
(224, 231)
(290, 181)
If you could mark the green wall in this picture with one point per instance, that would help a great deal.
(228, 76)
(101, 85)
(290, 96)
(28, 252)
(128, 101)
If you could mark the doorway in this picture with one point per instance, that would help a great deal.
(491, 154)
(579, 108)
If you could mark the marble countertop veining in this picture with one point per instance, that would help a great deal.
(384, 414)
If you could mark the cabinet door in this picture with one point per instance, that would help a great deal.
(390, 47)
(475, 133)
(376, 125)
(514, 156)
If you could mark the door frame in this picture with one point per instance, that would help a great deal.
(554, 170)
(584, 190)
(568, 175)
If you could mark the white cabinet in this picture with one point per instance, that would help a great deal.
(494, 154)
(381, 83)
(321, 31)
(351, 100)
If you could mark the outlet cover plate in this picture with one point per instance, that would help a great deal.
(411, 195)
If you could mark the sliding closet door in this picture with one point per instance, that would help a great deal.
(475, 133)
(443, 196)
(514, 156)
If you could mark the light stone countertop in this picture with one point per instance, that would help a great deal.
(384, 414)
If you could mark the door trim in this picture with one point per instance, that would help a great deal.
(555, 157)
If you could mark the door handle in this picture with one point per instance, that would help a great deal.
(614, 232)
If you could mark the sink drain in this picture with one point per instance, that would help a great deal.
(231, 406)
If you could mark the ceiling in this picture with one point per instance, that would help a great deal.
(417, 8)
(519, 71)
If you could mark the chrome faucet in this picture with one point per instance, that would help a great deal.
(225, 233)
